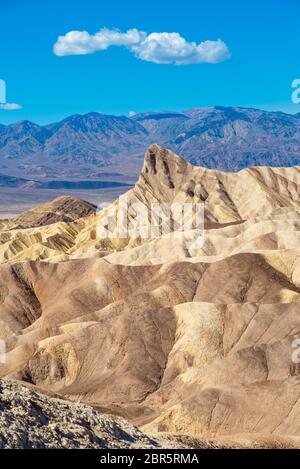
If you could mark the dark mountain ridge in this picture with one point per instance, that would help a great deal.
(226, 138)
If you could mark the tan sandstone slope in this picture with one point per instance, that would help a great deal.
(177, 338)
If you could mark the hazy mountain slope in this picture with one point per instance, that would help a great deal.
(162, 126)
(77, 137)
(225, 138)
(75, 147)
(234, 138)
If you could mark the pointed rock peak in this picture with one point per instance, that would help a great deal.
(157, 151)
(163, 165)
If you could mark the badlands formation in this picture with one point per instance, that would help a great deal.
(178, 338)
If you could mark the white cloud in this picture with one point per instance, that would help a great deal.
(81, 42)
(160, 48)
(10, 106)
(131, 113)
(171, 48)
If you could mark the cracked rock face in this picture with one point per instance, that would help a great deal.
(31, 420)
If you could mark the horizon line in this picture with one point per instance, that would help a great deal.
(131, 117)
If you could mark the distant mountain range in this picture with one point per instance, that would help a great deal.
(101, 146)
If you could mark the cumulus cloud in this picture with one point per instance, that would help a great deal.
(81, 42)
(10, 106)
(159, 48)
(171, 48)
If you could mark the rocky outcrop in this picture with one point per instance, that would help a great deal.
(61, 209)
(29, 420)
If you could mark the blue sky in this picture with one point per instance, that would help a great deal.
(262, 36)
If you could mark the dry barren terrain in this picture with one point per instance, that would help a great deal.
(177, 337)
